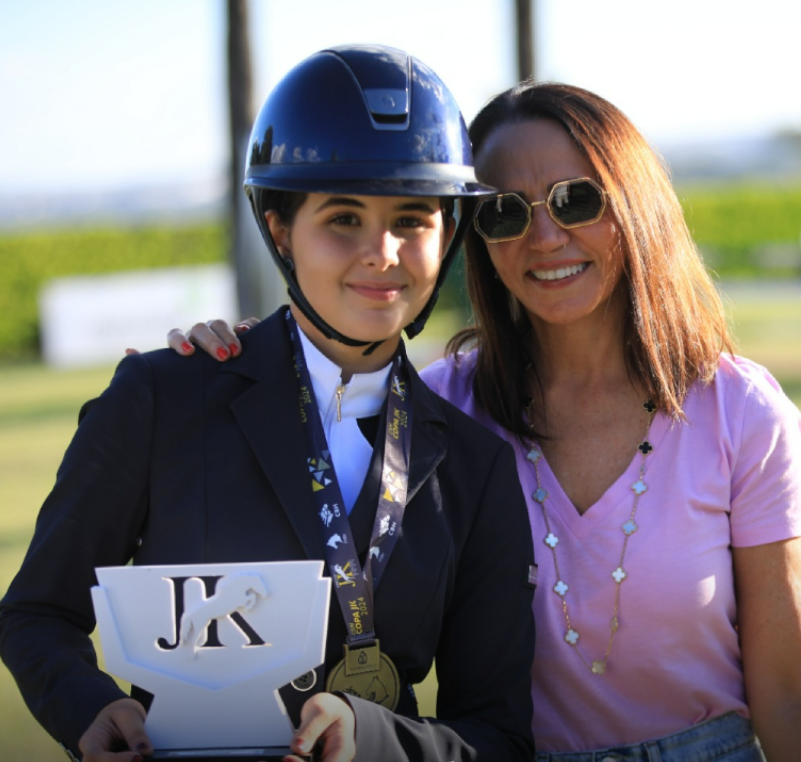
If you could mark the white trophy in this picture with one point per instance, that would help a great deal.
(213, 643)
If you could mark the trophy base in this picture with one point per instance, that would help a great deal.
(249, 754)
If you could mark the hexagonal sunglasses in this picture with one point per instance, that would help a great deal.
(571, 204)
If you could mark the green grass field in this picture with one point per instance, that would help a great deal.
(38, 413)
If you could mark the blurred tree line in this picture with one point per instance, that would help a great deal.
(745, 228)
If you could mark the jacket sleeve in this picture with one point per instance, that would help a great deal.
(485, 649)
(92, 517)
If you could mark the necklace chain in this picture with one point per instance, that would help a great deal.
(619, 575)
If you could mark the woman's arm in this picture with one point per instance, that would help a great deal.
(765, 525)
(768, 579)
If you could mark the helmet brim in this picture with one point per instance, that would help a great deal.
(369, 179)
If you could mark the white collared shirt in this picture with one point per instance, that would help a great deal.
(363, 396)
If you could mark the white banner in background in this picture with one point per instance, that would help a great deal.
(92, 319)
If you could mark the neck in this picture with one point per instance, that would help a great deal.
(350, 359)
(585, 355)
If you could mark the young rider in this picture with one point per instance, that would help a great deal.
(356, 164)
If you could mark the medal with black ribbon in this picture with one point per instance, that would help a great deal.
(364, 671)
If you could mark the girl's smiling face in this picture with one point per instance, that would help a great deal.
(367, 264)
(560, 276)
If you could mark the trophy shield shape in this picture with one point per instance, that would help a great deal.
(213, 643)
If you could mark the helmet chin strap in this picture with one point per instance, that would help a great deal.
(287, 270)
(465, 216)
(300, 301)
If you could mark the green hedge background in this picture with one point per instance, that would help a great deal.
(28, 260)
(737, 224)
(734, 224)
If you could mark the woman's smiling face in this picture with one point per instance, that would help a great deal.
(560, 276)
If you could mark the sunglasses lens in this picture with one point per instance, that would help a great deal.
(502, 217)
(575, 202)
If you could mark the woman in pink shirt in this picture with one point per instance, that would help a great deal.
(663, 473)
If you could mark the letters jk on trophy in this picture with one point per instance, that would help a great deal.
(213, 643)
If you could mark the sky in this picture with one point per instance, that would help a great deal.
(101, 94)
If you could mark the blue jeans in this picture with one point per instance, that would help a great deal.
(728, 738)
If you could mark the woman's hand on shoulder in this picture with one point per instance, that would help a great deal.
(119, 725)
(214, 337)
(328, 722)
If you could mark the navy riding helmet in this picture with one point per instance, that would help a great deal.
(361, 120)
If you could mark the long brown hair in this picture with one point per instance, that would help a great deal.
(675, 326)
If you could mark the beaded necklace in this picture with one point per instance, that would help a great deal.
(561, 588)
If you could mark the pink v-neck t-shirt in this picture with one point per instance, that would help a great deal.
(728, 476)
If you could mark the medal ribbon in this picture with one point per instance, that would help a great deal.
(353, 585)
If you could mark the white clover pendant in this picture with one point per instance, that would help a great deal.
(540, 495)
(551, 540)
(639, 487)
(571, 636)
(630, 527)
(598, 667)
(561, 588)
(533, 455)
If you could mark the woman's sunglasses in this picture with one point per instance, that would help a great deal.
(571, 204)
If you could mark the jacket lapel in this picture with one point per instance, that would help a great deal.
(428, 440)
(268, 414)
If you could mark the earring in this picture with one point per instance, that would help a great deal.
(289, 264)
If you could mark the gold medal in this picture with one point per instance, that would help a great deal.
(368, 674)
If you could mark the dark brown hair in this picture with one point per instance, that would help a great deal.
(284, 203)
(675, 326)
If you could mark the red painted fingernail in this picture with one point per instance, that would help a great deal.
(187, 347)
(242, 327)
(222, 353)
(234, 349)
(303, 745)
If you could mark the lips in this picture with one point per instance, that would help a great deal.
(381, 291)
(559, 273)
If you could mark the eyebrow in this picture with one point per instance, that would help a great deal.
(340, 201)
(418, 206)
(410, 206)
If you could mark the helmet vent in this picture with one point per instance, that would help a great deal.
(389, 119)
(389, 108)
